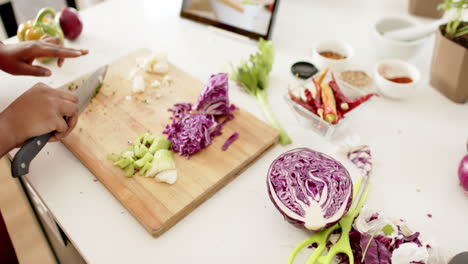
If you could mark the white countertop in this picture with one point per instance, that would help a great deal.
(417, 143)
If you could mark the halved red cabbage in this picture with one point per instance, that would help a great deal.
(214, 99)
(311, 189)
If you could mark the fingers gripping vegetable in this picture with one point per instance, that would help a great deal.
(310, 189)
(252, 75)
(34, 30)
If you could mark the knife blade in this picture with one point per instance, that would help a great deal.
(88, 89)
(32, 147)
(461, 258)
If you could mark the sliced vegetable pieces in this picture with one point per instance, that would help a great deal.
(163, 161)
(148, 156)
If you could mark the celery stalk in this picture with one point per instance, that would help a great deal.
(263, 101)
(252, 75)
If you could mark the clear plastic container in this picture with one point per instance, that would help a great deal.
(312, 121)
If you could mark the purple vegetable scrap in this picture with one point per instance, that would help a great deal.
(230, 140)
(362, 158)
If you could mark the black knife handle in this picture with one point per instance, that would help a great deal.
(30, 149)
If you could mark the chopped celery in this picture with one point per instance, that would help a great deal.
(140, 151)
(149, 139)
(158, 144)
(141, 155)
(123, 162)
(129, 149)
(128, 154)
(145, 169)
(168, 176)
(113, 157)
(142, 162)
(129, 171)
(163, 160)
(137, 140)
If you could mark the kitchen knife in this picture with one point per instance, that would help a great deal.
(30, 149)
(461, 258)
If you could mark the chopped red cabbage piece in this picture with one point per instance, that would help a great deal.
(377, 252)
(362, 158)
(214, 99)
(191, 131)
(230, 140)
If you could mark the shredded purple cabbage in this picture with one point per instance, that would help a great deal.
(214, 99)
(380, 249)
(191, 131)
(230, 140)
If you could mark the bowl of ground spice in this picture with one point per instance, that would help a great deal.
(333, 54)
(355, 81)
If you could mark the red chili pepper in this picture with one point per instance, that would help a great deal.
(338, 93)
(318, 95)
(300, 102)
(309, 98)
(356, 102)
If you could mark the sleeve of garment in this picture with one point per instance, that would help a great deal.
(7, 251)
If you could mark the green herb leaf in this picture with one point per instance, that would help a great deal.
(388, 230)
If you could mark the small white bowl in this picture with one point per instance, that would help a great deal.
(389, 48)
(337, 46)
(388, 69)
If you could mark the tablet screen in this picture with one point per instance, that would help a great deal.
(252, 18)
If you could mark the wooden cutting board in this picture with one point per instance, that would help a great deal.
(111, 120)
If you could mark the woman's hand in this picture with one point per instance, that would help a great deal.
(38, 111)
(17, 58)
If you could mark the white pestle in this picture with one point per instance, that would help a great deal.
(415, 32)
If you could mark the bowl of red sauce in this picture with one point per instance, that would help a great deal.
(396, 79)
